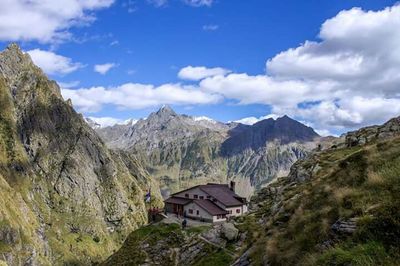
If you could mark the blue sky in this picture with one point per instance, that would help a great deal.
(149, 42)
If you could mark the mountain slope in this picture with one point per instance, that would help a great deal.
(182, 151)
(337, 207)
(79, 199)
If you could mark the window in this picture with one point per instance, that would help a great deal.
(195, 196)
(186, 195)
(197, 212)
(237, 210)
(219, 216)
(201, 197)
(230, 211)
(208, 197)
(190, 211)
(215, 200)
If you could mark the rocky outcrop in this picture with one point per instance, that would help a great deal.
(168, 244)
(229, 231)
(369, 134)
(57, 172)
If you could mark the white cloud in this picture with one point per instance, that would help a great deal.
(350, 78)
(70, 84)
(201, 72)
(114, 43)
(106, 121)
(204, 118)
(158, 3)
(52, 63)
(137, 96)
(102, 122)
(130, 6)
(210, 27)
(193, 3)
(45, 21)
(324, 132)
(131, 71)
(198, 3)
(104, 68)
(252, 120)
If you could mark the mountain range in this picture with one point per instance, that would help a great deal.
(182, 151)
(338, 206)
(73, 190)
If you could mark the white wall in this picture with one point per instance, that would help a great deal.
(202, 213)
(245, 209)
(215, 219)
(233, 209)
(195, 208)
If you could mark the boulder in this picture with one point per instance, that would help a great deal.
(229, 231)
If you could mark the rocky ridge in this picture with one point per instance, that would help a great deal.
(66, 198)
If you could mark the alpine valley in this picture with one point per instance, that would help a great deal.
(182, 151)
(72, 192)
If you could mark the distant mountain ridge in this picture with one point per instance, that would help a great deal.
(180, 150)
(284, 129)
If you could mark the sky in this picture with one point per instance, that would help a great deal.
(333, 65)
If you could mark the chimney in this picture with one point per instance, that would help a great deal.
(233, 184)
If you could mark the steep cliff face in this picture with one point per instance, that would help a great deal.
(79, 199)
(182, 151)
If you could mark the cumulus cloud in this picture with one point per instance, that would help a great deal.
(104, 68)
(201, 72)
(45, 21)
(52, 63)
(137, 96)
(347, 79)
(252, 120)
(106, 121)
(70, 84)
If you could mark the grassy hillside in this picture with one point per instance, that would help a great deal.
(347, 212)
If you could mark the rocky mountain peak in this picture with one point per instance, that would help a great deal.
(284, 129)
(67, 173)
(166, 110)
(13, 60)
(164, 114)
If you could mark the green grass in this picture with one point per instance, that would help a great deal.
(362, 182)
(366, 254)
(132, 254)
(198, 229)
(219, 258)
